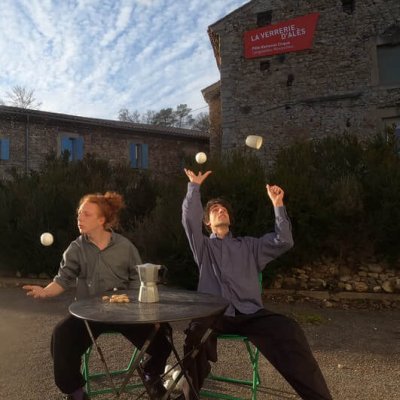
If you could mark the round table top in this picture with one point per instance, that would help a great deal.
(174, 305)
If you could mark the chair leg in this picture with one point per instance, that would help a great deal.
(88, 377)
(85, 370)
(254, 354)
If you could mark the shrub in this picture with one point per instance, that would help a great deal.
(343, 198)
(46, 200)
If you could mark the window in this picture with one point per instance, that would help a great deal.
(348, 6)
(74, 146)
(391, 128)
(139, 155)
(264, 65)
(4, 149)
(264, 18)
(389, 64)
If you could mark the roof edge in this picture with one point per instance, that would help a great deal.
(102, 122)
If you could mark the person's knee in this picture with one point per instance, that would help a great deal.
(60, 331)
(69, 337)
(286, 327)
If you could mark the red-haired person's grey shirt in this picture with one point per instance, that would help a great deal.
(94, 271)
(229, 267)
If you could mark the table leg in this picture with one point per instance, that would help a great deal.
(135, 365)
(100, 353)
(132, 368)
(192, 355)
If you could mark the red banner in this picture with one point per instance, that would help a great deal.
(291, 35)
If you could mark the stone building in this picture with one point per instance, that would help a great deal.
(27, 136)
(346, 78)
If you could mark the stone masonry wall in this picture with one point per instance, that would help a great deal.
(372, 277)
(335, 86)
(212, 97)
(166, 152)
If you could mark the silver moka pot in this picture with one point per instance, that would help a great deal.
(150, 275)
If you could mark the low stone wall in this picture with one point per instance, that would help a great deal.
(368, 278)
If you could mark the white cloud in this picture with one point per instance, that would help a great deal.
(91, 58)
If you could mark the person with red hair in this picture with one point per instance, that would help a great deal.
(97, 261)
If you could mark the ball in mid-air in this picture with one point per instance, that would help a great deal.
(201, 158)
(46, 239)
(254, 141)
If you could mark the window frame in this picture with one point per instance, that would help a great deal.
(380, 62)
(264, 18)
(139, 155)
(4, 149)
(76, 148)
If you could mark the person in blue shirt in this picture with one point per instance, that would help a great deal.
(229, 267)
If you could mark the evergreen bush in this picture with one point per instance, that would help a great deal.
(46, 201)
(342, 195)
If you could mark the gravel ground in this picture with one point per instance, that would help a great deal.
(358, 350)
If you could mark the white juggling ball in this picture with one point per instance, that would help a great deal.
(254, 141)
(168, 383)
(46, 239)
(201, 158)
(168, 370)
(175, 375)
(181, 381)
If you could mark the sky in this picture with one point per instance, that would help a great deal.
(93, 57)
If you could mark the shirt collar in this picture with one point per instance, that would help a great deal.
(112, 238)
(214, 236)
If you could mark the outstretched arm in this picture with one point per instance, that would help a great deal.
(199, 178)
(273, 244)
(192, 214)
(38, 292)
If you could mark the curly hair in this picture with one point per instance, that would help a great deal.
(110, 205)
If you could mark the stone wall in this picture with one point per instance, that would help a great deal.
(212, 96)
(331, 88)
(369, 278)
(166, 151)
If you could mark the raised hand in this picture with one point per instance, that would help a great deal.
(276, 194)
(199, 178)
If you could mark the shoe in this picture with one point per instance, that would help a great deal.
(154, 386)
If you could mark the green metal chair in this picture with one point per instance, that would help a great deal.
(253, 354)
(91, 376)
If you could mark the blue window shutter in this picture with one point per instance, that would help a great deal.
(66, 145)
(5, 149)
(145, 156)
(132, 155)
(78, 148)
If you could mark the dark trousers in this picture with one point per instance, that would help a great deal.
(70, 340)
(279, 338)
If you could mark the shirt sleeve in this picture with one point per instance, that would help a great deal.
(70, 267)
(192, 219)
(272, 245)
